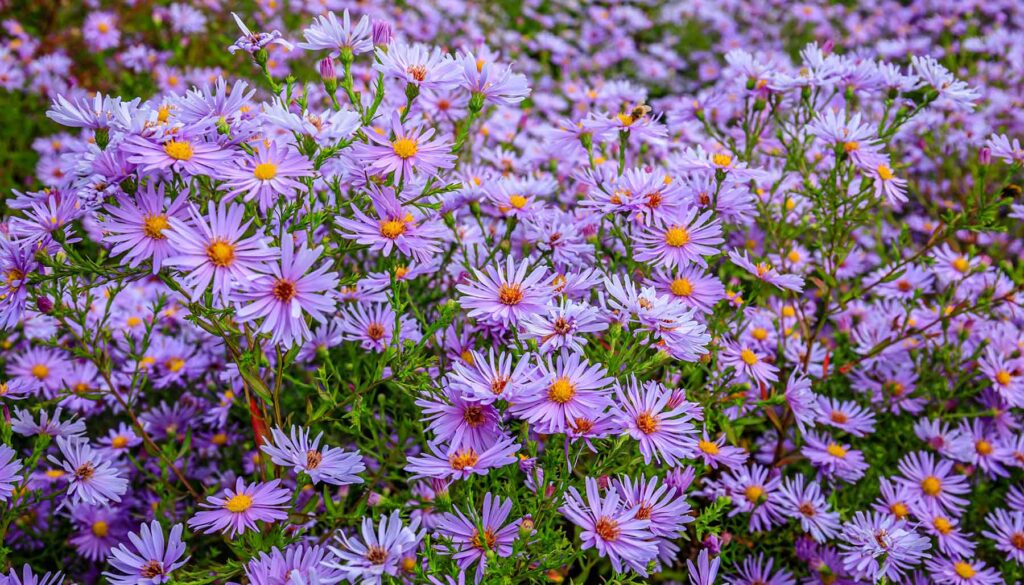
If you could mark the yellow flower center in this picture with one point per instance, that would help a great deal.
(983, 447)
(943, 525)
(134, 321)
(759, 333)
(960, 264)
(175, 364)
(561, 391)
(463, 459)
(119, 442)
(931, 485)
(221, 253)
(517, 201)
(54, 473)
(963, 569)
(391, 229)
(265, 171)
(647, 423)
(40, 371)
(836, 450)
(748, 357)
(238, 503)
(404, 147)
(100, 528)
(467, 356)
(708, 447)
(682, 287)
(103, 28)
(154, 225)
(677, 236)
(284, 290)
(884, 172)
(219, 439)
(851, 146)
(1002, 376)
(899, 510)
(510, 294)
(722, 160)
(754, 493)
(178, 150)
(793, 256)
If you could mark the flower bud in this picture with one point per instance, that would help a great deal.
(44, 304)
(381, 33)
(374, 499)
(985, 156)
(526, 527)
(329, 75)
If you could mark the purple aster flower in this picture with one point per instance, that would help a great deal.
(803, 402)
(329, 465)
(715, 453)
(755, 489)
(494, 378)
(1003, 149)
(396, 227)
(807, 504)
(282, 299)
(459, 421)
(93, 479)
(946, 531)
(496, 85)
(252, 43)
(682, 240)
(962, 571)
(953, 92)
(151, 559)
(378, 553)
(1006, 530)
(875, 546)
(847, 415)
(613, 529)
(764, 271)
(28, 577)
(888, 185)
(932, 483)
(506, 294)
(299, 564)
(751, 365)
(373, 326)
(411, 151)
(756, 571)
(17, 262)
(137, 226)
(24, 424)
(418, 65)
(572, 388)
(180, 153)
(663, 505)
(564, 325)
(216, 250)
(100, 111)
(660, 424)
(242, 507)
(9, 472)
(832, 458)
(329, 34)
(691, 285)
(267, 175)
(705, 572)
(469, 545)
(99, 528)
(462, 462)
(100, 31)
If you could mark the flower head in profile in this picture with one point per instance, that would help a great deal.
(376, 551)
(253, 42)
(240, 508)
(151, 559)
(328, 33)
(327, 464)
(460, 462)
(411, 151)
(766, 272)
(496, 84)
(418, 65)
(611, 527)
(92, 477)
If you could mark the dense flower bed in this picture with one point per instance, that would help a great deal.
(515, 292)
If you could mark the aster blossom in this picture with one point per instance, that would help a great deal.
(322, 464)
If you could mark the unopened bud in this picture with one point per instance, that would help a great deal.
(526, 527)
(381, 33)
(44, 304)
(985, 156)
(374, 499)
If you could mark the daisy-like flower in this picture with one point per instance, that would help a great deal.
(418, 65)
(92, 478)
(802, 401)
(764, 271)
(179, 153)
(298, 564)
(151, 559)
(572, 388)
(946, 531)
(459, 421)
(497, 85)
(758, 571)
(330, 464)
(281, 300)
(834, 459)
(663, 505)
(1006, 530)
(396, 227)
(563, 326)
(705, 572)
(10, 468)
(755, 490)
(962, 570)
(266, 175)
(506, 294)
(807, 504)
(932, 483)
(716, 452)
(682, 240)
(846, 415)
(28, 577)
(461, 462)
(138, 227)
(413, 150)
(613, 529)
(327, 33)
(691, 285)
(373, 326)
(658, 423)
(494, 378)
(887, 184)
(875, 546)
(252, 43)
(240, 508)
(469, 545)
(216, 250)
(24, 424)
(749, 363)
(99, 530)
(16, 264)
(100, 31)
(1002, 148)
(379, 552)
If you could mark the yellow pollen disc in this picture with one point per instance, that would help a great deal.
(238, 503)
(899, 510)
(154, 225)
(677, 236)
(134, 321)
(708, 447)
(626, 119)
(404, 147)
(221, 253)
(793, 256)
(467, 356)
(748, 357)
(1002, 376)
(943, 525)
(265, 171)
(788, 311)
(759, 333)
(517, 201)
(851, 146)
(647, 423)
(753, 493)
(178, 150)
(175, 364)
(392, 229)
(100, 528)
(963, 569)
(219, 439)
(119, 442)
(835, 450)
(960, 264)
(884, 172)
(40, 371)
(983, 447)
(55, 473)
(163, 114)
(561, 391)
(682, 287)
(722, 160)
(931, 485)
